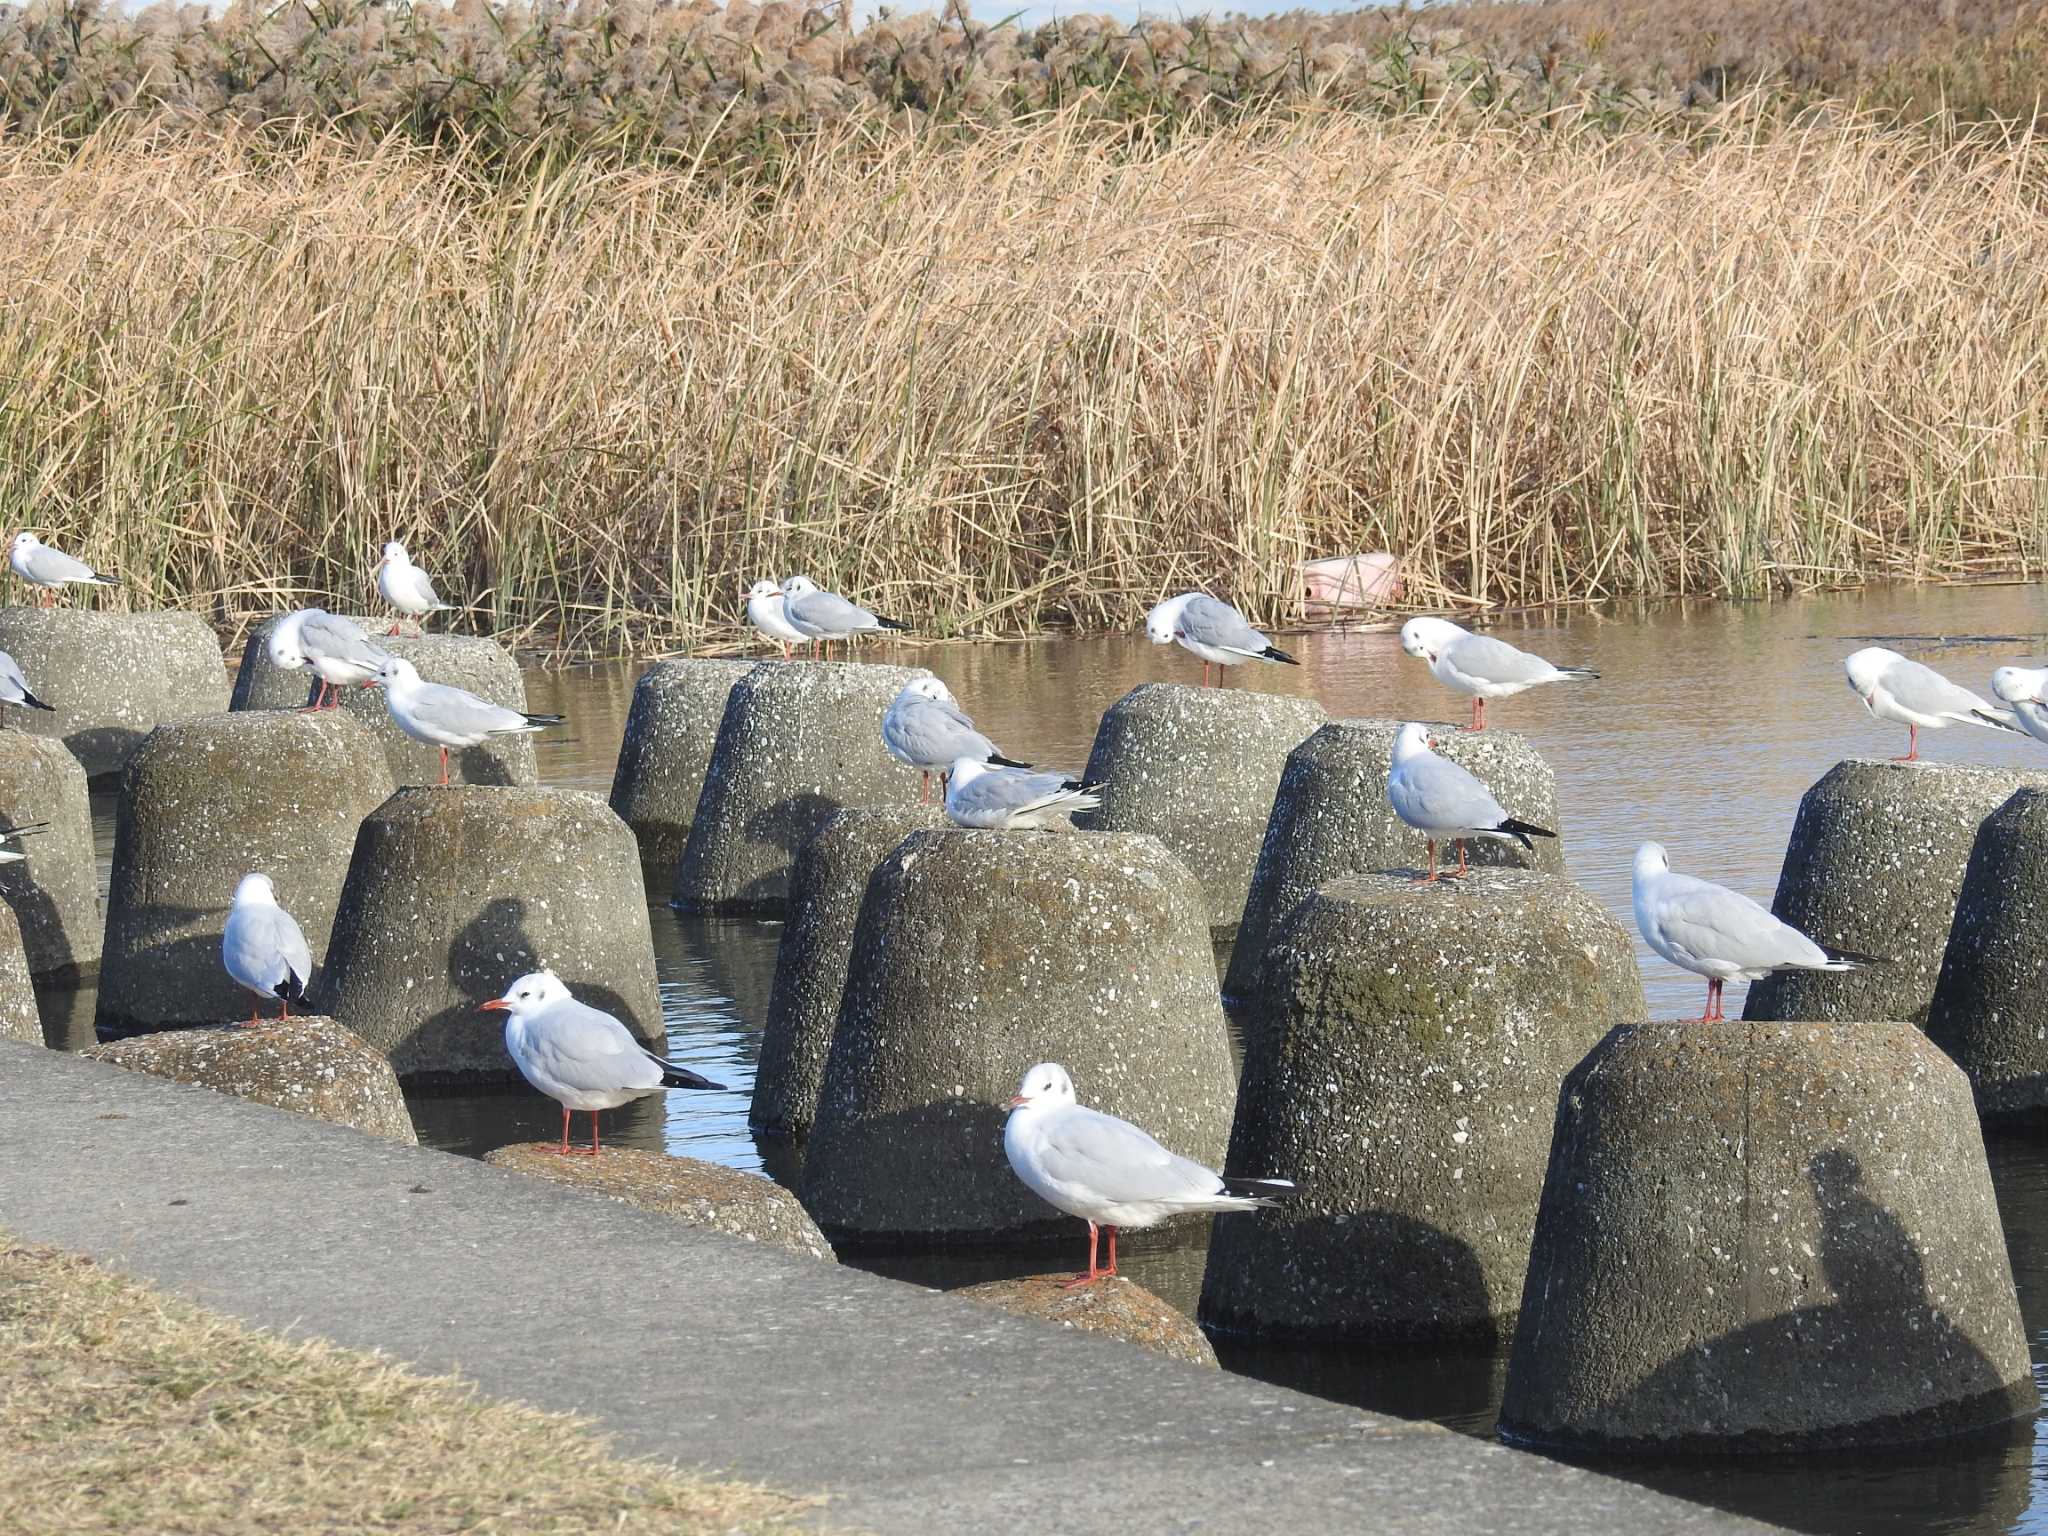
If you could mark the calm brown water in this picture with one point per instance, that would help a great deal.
(1708, 723)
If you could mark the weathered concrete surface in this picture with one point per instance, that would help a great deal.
(977, 955)
(111, 678)
(306, 1064)
(1990, 1006)
(826, 887)
(1197, 768)
(799, 740)
(54, 889)
(453, 894)
(1766, 1237)
(1331, 818)
(203, 803)
(19, 1019)
(1874, 864)
(1401, 1067)
(670, 731)
(1116, 1307)
(687, 1189)
(276, 1219)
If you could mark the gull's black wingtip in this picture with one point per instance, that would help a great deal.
(1522, 831)
(883, 623)
(673, 1076)
(1853, 956)
(1274, 653)
(547, 719)
(997, 760)
(35, 703)
(1268, 1189)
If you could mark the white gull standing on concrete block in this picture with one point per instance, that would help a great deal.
(263, 948)
(925, 728)
(442, 716)
(334, 649)
(14, 687)
(1917, 697)
(1445, 803)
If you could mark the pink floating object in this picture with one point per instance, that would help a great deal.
(1350, 581)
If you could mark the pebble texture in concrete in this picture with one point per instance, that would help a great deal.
(1331, 818)
(54, 889)
(1197, 768)
(19, 1019)
(799, 741)
(1761, 1237)
(976, 956)
(1401, 1067)
(1116, 1307)
(1874, 864)
(455, 893)
(307, 1064)
(670, 731)
(826, 887)
(111, 678)
(1990, 1007)
(698, 1193)
(204, 803)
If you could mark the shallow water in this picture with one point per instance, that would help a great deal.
(1708, 723)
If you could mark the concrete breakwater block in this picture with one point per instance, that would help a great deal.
(112, 678)
(1401, 1067)
(1331, 818)
(306, 1064)
(1875, 864)
(1197, 768)
(976, 955)
(19, 1019)
(826, 887)
(799, 741)
(452, 894)
(670, 731)
(694, 1192)
(203, 803)
(1761, 1237)
(1115, 1307)
(54, 888)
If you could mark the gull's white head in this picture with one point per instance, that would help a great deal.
(1425, 637)
(927, 688)
(763, 588)
(1164, 619)
(1412, 740)
(1867, 666)
(255, 891)
(397, 672)
(1045, 1086)
(965, 771)
(529, 994)
(24, 542)
(799, 586)
(2018, 685)
(1651, 860)
(283, 646)
(394, 554)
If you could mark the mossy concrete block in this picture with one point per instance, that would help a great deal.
(670, 731)
(826, 888)
(305, 1063)
(976, 955)
(1401, 1067)
(1331, 818)
(19, 1018)
(54, 887)
(1763, 1237)
(453, 894)
(799, 741)
(1875, 864)
(694, 1192)
(1197, 768)
(203, 803)
(112, 678)
(1116, 1307)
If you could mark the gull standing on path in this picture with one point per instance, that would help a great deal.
(14, 687)
(1480, 665)
(1213, 630)
(2023, 690)
(927, 730)
(580, 1056)
(1919, 698)
(826, 616)
(406, 587)
(262, 947)
(764, 612)
(1014, 800)
(48, 569)
(335, 649)
(1442, 801)
(444, 717)
(1108, 1172)
(1721, 934)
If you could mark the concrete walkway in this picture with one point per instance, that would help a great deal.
(912, 1412)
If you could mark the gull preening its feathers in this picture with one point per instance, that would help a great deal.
(1014, 799)
(48, 569)
(1445, 803)
(2023, 690)
(1480, 665)
(332, 648)
(406, 587)
(1917, 697)
(1212, 630)
(926, 729)
(441, 716)
(263, 948)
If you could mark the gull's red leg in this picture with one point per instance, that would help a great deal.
(444, 767)
(1112, 1251)
(1912, 745)
(565, 1130)
(924, 787)
(593, 1133)
(1430, 878)
(1462, 867)
(1093, 1273)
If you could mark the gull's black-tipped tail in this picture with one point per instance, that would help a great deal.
(1850, 958)
(1258, 1189)
(541, 722)
(1522, 831)
(291, 989)
(882, 623)
(23, 830)
(102, 579)
(673, 1076)
(997, 760)
(1274, 653)
(1998, 720)
(1579, 674)
(1081, 786)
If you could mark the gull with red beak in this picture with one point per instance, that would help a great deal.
(1443, 802)
(579, 1056)
(1480, 665)
(49, 569)
(442, 716)
(764, 612)
(406, 587)
(1919, 698)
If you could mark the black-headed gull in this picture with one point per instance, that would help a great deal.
(1480, 665)
(925, 728)
(406, 587)
(1108, 1172)
(826, 616)
(14, 687)
(334, 649)
(1919, 698)
(1721, 934)
(263, 948)
(764, 612)
(48, 569)
(580, 1056)
(1445, 803)
(1013, 799)
(2023, 689)
(1213, 630)
(441, 716)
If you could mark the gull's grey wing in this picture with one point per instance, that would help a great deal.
(423, 587)
(1711, 922)
(326, 634)
(459, 712)
(48, 565)
(1013, 792)
(13, 686)
(1208, 621)
(1433, 791)
(828, 611)
(584, 1047)
(927, 732)
(1114, 1158)
(1495, 661)
(261, 946)
(1926, 692)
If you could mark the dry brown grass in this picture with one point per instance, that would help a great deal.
(129, 1411)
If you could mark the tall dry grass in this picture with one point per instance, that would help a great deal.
(1043, 373)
